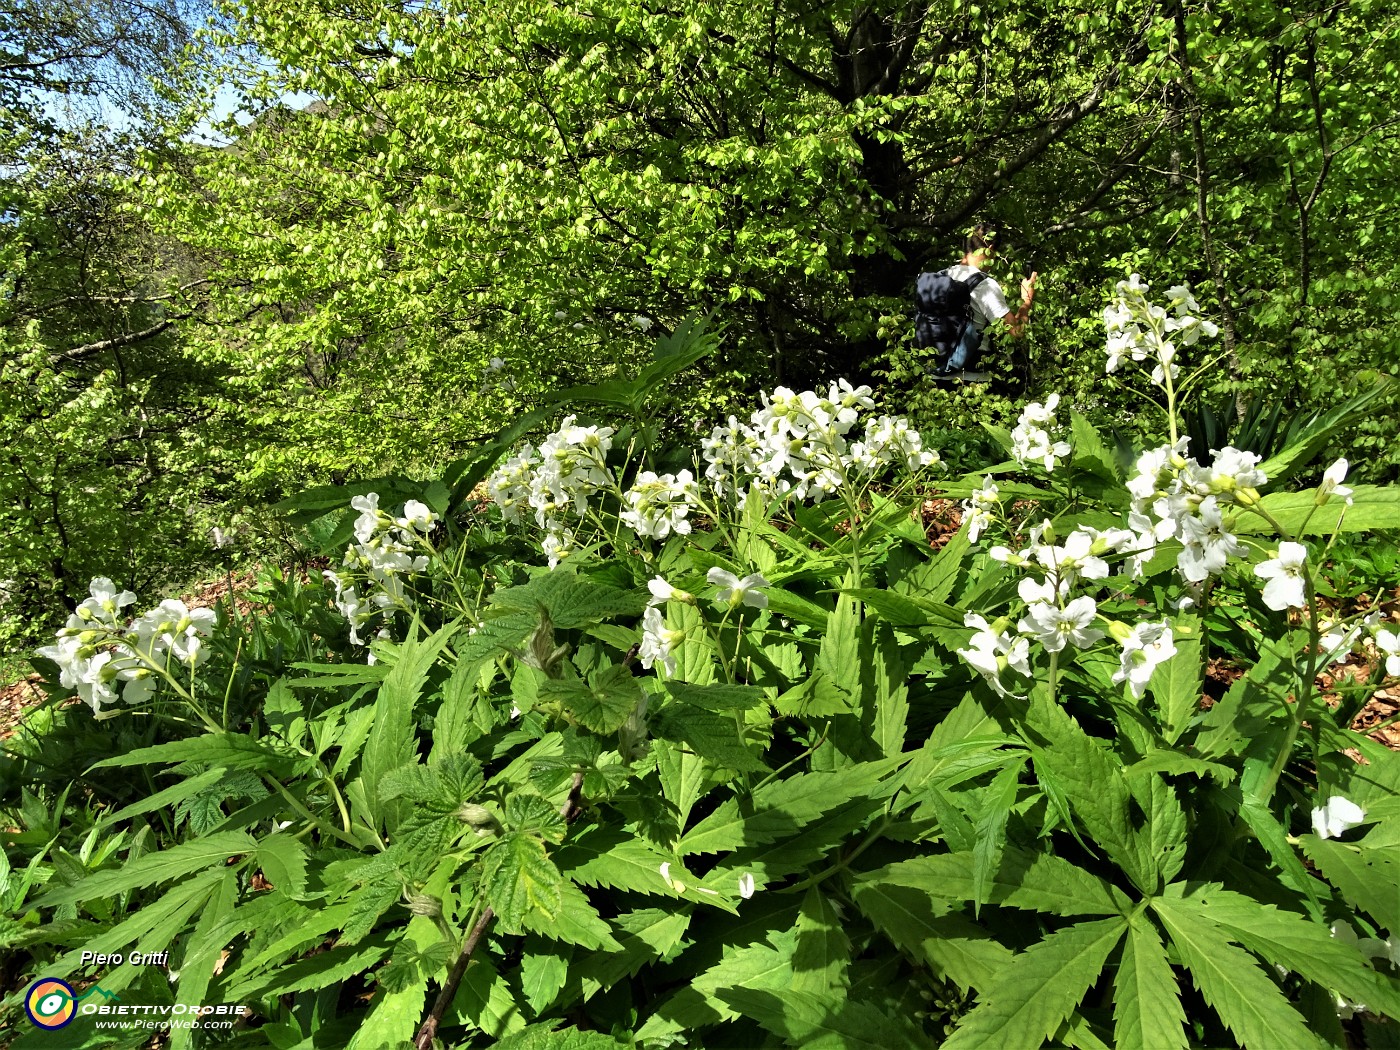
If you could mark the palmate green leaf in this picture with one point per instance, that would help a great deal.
(1176, 684)
(717, 697)
(823, 1022)
(1147, 1009)
(683, 776)
(202, 948)
(576, 922)
(764, 966)
(936, 577)
(398, 1002)
(544, 968)
(710, 735)
(1274, 837)
(517, 877)
(334, 966)
(486, 1000)
(153, 868)
(1230, 980)
(1029, 881)
(839, 657)
(1297, 943)
(1039, 989)
(1249, 704)
(782, 808)
(1160, 844)
(948, 942)
(571, 600)
(823, 951)
(886, 699)
(168, 797)
(1093, 784)
(283, 861)
(990, 830)
(604, 703)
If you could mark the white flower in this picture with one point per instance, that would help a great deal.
(1149, 645)
(746, 885)
(104, 604)
(1332, 479)
(1388, 642)
(1334, 818)
(992, 651)
(1285, 575)
(658, 641)
(641, 322)
(416, 516)
(978, 508)
(735, 591)
(1206, 546)
(1054, 628)
(665, 868)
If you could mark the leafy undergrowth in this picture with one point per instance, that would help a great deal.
(570, 771)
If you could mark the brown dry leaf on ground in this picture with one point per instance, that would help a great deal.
(15, 699)
(942, 518)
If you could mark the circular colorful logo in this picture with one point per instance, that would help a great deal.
(50, 1003)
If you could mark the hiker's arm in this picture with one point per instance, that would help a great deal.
(1015, 320)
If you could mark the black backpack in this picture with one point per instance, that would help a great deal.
(942, 310)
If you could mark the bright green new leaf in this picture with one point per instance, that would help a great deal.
(518, 877)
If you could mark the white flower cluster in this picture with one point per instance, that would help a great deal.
(658, 505)
(1140, 330)
(659, 641)
(979, 508)
(1038, 437)
(802, 445)
(1057, 615)
(370, 579)
(102, 657)
(555, 482)
(1373, 948)
(805, 445)
(1177, 498)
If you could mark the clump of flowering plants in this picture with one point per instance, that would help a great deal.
(710, 746)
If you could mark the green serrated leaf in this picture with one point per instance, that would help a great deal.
(1147, 1009)
(153, 868)
(604, 704)
(1230, 980)
(517, 877)
(823, 951)
(948, 942)
(283, 861)
(818, 1022)
(1040, 988)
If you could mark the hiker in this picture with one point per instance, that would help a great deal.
(954, 307)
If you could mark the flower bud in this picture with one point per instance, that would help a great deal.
(1247, 496)
(479, 819)
(424, 905)
(1120, 631)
